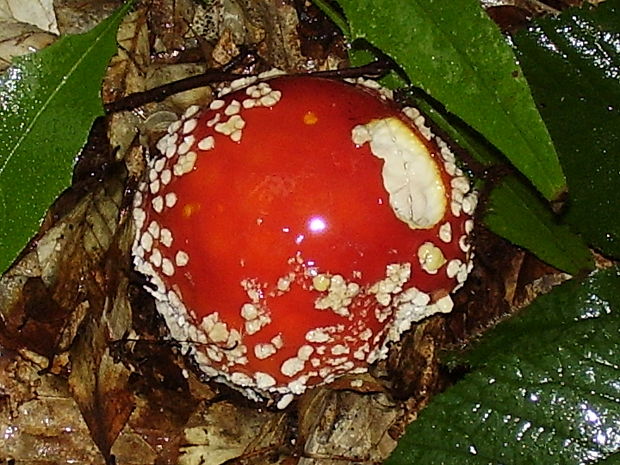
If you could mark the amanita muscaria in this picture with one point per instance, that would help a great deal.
(298, 226)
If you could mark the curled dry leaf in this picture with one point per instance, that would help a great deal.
(24, 28)
(18, 38)
(39, 13)
(121, 390)
(224, 432)
(98, 383)
(339, 426)
(78, 17)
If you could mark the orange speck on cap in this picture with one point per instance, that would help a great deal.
(310, 118)
(190, 209)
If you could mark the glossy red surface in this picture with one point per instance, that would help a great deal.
(294, 195)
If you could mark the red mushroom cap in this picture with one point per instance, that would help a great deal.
(296, 227)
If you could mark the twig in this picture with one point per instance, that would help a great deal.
(375, 69)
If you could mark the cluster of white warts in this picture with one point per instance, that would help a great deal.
(213, 343)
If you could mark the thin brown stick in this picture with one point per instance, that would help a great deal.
(157, 94)
(375, 69)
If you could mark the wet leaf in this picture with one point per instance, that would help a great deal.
(572, 62)
(516, 213)
(544, 383)
(48, 102)
(454, 52)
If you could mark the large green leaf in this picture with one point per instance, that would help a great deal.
(455, 53)
(544, 388)
(573, 64)
(48, 101)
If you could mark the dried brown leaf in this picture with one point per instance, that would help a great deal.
(337, 426)
(18, 38)
(99, 382)
(76, 17)
(41, 423)
(225, 432)
(171, 21)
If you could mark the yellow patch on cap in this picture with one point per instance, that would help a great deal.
(310, 118)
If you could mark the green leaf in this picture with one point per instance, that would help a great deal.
(456, 54)
(573, 64)
(513, 210)
(48, 101)
(518, 215)
(544, 389)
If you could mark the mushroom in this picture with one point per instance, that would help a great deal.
(296, 227)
